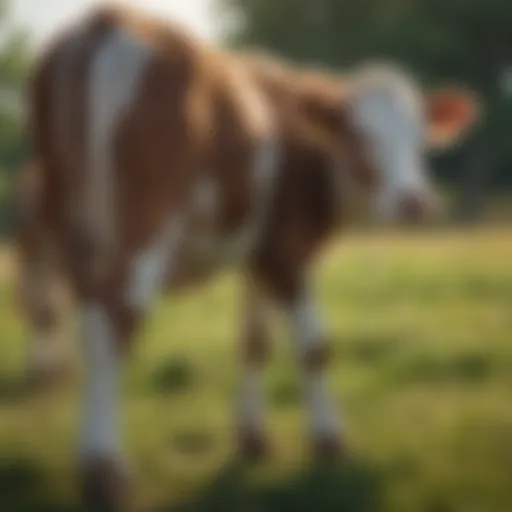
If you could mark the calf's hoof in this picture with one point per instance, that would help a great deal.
(104, 486)
(253, 446)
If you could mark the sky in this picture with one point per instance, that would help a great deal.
(42, 17)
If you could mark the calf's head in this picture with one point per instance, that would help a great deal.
(392, 124)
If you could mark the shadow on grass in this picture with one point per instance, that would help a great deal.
(285, 392)
(15, 391)
(12, 391)
(195, 442)
(329, 488)
(23, 488)
(470, 368)
(173, 376)
(18, 390)
(369, 348)
(322, 488)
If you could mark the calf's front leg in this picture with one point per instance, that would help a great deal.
(288, 285)
(312, 348)
(254, 354)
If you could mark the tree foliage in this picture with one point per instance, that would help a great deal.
(14, 61)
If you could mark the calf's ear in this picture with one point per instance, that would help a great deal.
(450, 113)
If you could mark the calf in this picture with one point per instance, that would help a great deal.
(159, 160)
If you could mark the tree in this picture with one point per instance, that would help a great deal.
(14, 61)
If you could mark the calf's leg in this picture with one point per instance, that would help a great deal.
(38, 292)
(109, 325)
(313, 351)
(255, 349)
(100, 448)
(43, 305)
(287, 282)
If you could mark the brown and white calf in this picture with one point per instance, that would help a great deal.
(159, 160)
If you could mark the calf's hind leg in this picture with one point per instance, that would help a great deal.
(39, 294)
(313, 352)
(109, 324)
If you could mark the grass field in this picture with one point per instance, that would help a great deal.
(423, 367)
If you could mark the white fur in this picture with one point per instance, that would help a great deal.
(251, 397)
(100, 429)
(307, 325)
(116, 74)
(265, 166)
(323, 414)
(387, 108)
(308, 332)
(264, 175)
(149, 265)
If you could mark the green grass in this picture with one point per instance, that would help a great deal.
(422, 329)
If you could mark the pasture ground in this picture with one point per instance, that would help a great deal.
(422, 329)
